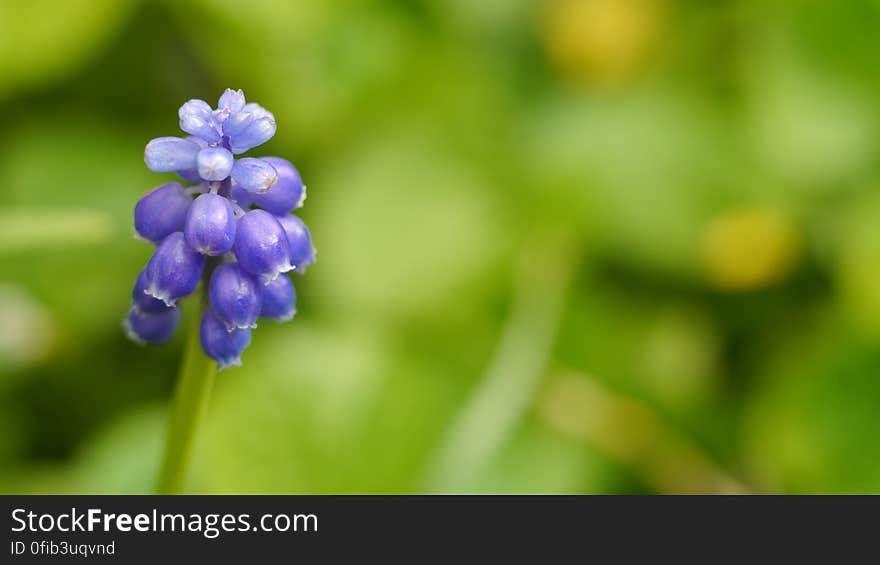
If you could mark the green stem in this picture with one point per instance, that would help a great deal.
(190, 403)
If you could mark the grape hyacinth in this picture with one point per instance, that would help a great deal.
(233, 230)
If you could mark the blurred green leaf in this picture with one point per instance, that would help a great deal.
(856, 249)
(41, 41)
(85, 198)
(811, 427)
(812, 128)
(401, 226)
(319, 401)
(23, 229)
(124, 456)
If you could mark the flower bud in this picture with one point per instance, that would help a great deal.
(141, 301)
(299, 240)
(261, 245)
(258, 132)
(195, 119)
(232, 100)
(279, 300)
(215, 163)
(236, 297)
(174, 270)
(220, 345)
(257, 111)
(210, 225)
(170, 154)
(254, 175)
(158, 327)
(161, 211)
(288, 191)
(192, 175)
(236, 124)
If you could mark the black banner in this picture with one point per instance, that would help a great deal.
(236, 529)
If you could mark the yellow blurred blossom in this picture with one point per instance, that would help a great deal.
(602, 42)
(749, 248)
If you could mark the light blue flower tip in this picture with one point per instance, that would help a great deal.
(170, 154)
(232, 100)
(254, 175)
(214, 163)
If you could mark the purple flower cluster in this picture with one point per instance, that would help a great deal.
(233, 228)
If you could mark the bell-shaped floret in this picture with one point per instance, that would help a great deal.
(222, 346)
(174, 270)
(302, 251)
(279, 300)
(210, 225)
(161, 212)
(151, 327)
(288, 191)
(235, 296)
(261, 245)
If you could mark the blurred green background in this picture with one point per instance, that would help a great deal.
(565, 246)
